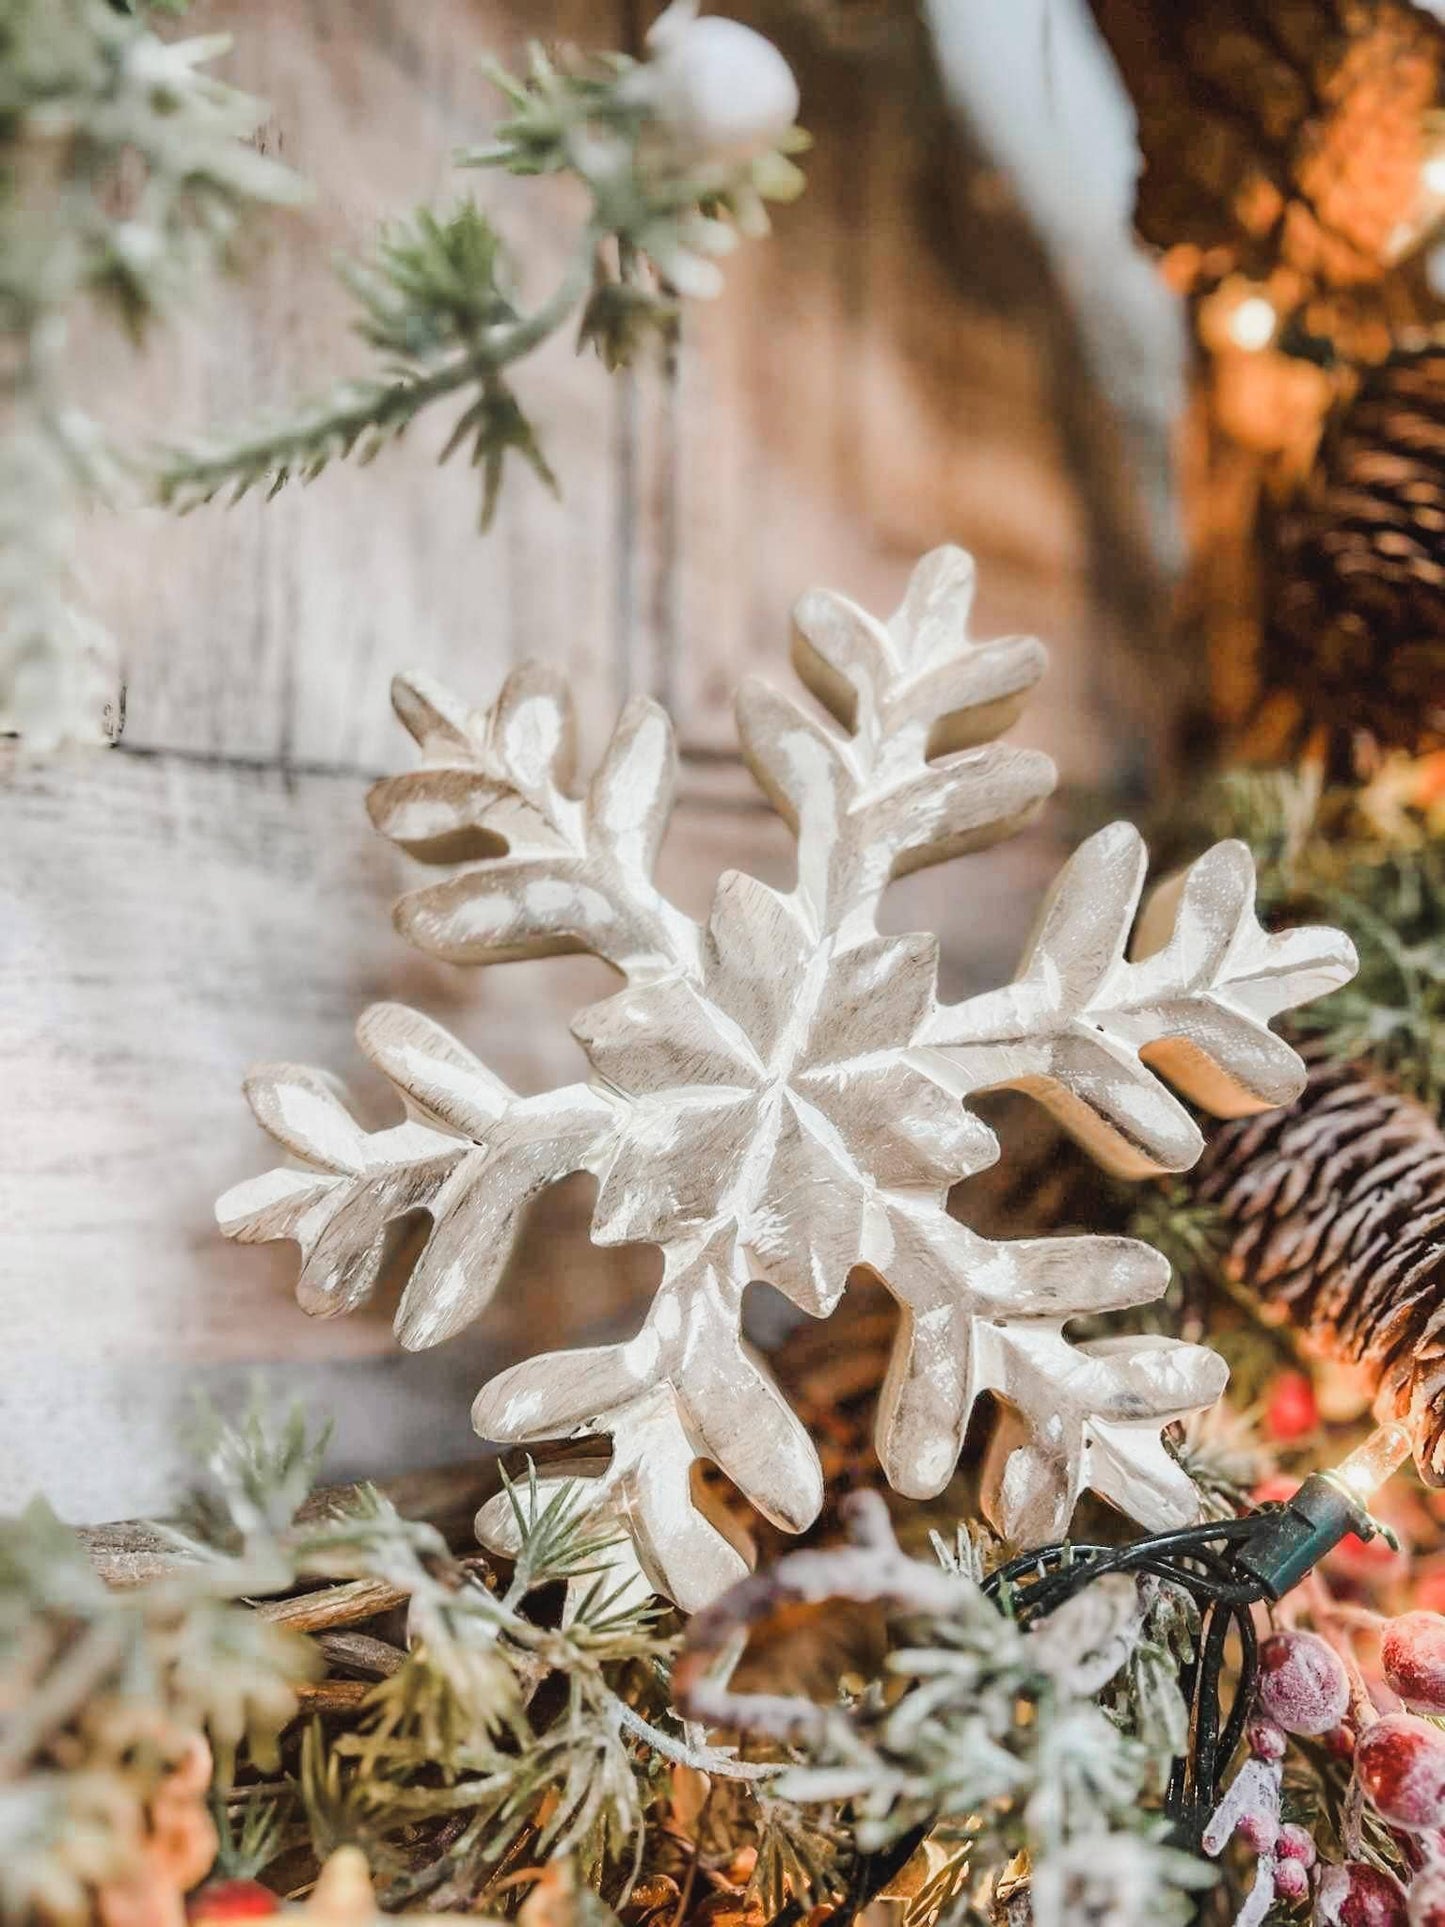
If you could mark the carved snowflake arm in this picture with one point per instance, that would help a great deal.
(981, 1317)
(546, 871)
(1089, 1417)
(674, 1538)
(470, 1156)
(478, 1211)
(870, 805)
(352, 1188)
(686, 1388)
(1084, 1028)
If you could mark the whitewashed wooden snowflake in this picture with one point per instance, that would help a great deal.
(780, 1095)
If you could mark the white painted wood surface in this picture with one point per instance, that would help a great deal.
(211, 894)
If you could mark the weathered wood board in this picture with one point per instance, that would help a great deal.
(210, 893)
(844, 406)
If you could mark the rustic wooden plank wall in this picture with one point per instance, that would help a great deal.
(209, 893)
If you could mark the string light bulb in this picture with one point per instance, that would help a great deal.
(1252, 323)
(1361, 1475)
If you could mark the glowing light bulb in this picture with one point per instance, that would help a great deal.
(1369, 1465)
(1432, 174)
(1253, 322)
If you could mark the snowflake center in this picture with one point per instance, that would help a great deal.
(790, 1052)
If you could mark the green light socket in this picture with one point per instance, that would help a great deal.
(1291, 1541)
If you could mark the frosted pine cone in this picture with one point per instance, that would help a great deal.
(1336, 1209)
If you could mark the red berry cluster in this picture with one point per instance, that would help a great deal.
(1302, 1688)
(1399, 1767)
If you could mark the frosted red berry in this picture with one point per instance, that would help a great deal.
(1295, 1843)
(1258, 1829)
(1412, 1656)
(1266, 1740)
(1303, 1685)
(224, 1900)
(1291, 1882)
(1426, 1905)
(1400, 1763)
(1359, 1896)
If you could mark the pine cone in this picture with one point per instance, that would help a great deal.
(1355, 625)
(1336, 1210)
(1279, 133)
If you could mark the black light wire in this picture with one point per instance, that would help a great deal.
(1227, 1567)
(1197, 1560)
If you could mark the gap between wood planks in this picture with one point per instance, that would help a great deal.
(702, 757)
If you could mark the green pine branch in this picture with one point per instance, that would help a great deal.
(460, 1742)
(434, 306)
(437, 305)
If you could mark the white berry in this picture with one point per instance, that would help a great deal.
(723, 90)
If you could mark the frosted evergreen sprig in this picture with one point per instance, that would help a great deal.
(125, 172)
(677, 154)
(989, 1741)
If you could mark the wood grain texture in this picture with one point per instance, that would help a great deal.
(272, 632)
(211, 895)
(870, 388)
(845, 404)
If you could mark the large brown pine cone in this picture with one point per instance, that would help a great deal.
(1336, 1210)
(1355, 602)
(1279, 133)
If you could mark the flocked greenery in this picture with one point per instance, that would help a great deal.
(125, 172)
(438, 302)
(529, 1717)
(457, 1754)
(1026, 1760)
(1065, 1783)
(459, 1744)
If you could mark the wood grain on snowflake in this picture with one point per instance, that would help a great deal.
(779, 1095)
